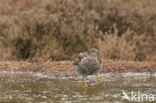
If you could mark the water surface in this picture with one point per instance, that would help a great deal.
(24, 87)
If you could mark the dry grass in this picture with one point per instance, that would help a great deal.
(65, 68)
(37, 30)
(129, 46)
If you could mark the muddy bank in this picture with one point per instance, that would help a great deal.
(65, 68)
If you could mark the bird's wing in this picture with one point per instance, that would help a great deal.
(79, 58)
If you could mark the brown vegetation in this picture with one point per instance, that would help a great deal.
(37, 30)
(65, 68)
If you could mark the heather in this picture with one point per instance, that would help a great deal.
(38, 30)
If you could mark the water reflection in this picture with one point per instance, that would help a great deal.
(31, 87)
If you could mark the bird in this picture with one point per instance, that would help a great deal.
(88, 63)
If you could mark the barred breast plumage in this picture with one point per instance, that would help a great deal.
(88, 63)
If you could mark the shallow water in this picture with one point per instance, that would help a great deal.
(18, 87)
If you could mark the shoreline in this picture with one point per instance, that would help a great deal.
(66, 68)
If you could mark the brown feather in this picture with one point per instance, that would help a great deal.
(79, 58)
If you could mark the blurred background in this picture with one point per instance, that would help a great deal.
(38, 30)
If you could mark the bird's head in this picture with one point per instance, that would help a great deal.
(92, 53)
